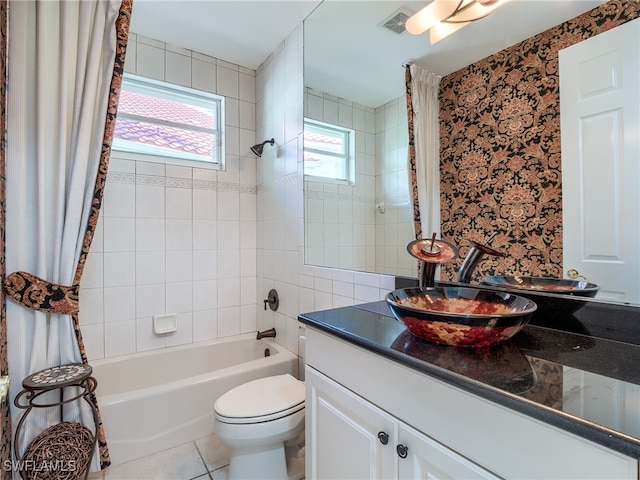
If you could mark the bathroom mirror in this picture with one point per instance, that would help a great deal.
(353, 75)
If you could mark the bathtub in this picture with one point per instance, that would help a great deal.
(160, 399)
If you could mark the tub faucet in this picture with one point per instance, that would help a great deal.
(271, 333)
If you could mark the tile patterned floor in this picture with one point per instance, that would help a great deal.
(204, 459)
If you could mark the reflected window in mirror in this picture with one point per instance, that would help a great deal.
(329, 152)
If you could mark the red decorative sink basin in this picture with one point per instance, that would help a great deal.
(460, 316)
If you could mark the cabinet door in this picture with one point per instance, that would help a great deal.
(342, 434)
(426, 458)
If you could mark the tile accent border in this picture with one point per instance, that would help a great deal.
(176, 182)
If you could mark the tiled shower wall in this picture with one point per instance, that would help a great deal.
(175, 239)
(205, 244)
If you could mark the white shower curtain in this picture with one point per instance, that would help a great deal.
(424, 99)
(61, 58)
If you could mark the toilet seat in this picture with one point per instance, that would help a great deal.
(261, 400)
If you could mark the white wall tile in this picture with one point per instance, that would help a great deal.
(228, 205)
(227, 81)
(150, 61)
(229, 292)
(228, 321)
(179, 266)
(132, 53)
(228, 263)
(93, 337)
(97, 243)
(248, 232)
(149, 201)
(92, 302)
(150, 300)
(248, 319)
(150, 234)
(228, 234)
(203, 75)
(205, 234)
(179, 202)
(150, 168)
(179, 297)
(205, 324)
(119, 304)
(247, 87)
(248, 290)
(205, 204)
(232, 112)
(179, 234)
(184, 333)
(119, 338)
(248, 261)
(205, 264)
(205, 295)
(119, 200)
(119, 269)
(247, 115)
(119, 234)
(178, 69)
(145, 338)
(93, 274)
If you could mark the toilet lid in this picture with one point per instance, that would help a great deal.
(262, 397)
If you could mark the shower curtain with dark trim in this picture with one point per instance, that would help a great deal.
(423, 159)
(53, 303)
(411, 158)
(5, 413)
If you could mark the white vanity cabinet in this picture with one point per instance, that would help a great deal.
(353, 394)
(350, 438)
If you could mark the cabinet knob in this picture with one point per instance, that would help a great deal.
(402, 451)
(383, 437)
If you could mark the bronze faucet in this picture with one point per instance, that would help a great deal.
(271, 333)
(473, 258)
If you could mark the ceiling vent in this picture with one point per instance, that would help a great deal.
(395, 22)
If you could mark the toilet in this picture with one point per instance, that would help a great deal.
(262, 421)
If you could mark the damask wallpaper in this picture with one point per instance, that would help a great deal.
(500, 157)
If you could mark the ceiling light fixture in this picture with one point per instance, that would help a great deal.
(443, 17)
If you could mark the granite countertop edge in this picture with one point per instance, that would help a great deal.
(612, 439)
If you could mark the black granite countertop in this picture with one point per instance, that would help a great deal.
(576, 367)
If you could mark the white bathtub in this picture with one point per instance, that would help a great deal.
(156, 400)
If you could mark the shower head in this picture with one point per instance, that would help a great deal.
(257, 149)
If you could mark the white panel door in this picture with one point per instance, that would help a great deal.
(600, 114)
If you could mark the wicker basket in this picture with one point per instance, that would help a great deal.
(61, 452)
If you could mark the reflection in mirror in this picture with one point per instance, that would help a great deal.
(361, 224)
(338, 73)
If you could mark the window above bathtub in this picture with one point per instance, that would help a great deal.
(162, 122)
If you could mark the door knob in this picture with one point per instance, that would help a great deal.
(573, 274)
(383, 437)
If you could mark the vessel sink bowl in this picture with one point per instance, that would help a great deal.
(562, 286)
(460, 316)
